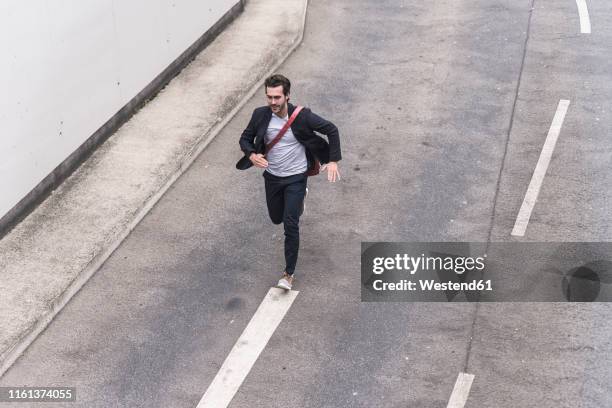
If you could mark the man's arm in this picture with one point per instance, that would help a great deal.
(247, 145)
(330, 130)
(248, 136)
(317, 123)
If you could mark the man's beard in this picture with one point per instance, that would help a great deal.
(277, 107)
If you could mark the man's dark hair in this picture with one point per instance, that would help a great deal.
(278, 80)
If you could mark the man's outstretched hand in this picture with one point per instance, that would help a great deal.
(332, 171)
(258, 160)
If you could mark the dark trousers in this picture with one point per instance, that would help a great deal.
(285, 198)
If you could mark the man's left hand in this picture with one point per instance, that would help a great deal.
(332, 171)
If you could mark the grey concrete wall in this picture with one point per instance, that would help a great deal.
(26, 148)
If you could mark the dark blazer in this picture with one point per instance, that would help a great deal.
(303, 128)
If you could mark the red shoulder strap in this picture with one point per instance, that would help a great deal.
(282, 132)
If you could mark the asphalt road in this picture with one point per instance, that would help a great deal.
(443, 109)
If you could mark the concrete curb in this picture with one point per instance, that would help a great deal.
(11, 355)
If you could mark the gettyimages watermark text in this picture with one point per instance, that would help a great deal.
(486, 272)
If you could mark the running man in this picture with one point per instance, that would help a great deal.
(289, 160)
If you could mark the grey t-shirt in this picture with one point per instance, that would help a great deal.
(288, 156)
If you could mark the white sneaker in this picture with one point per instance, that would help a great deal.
(285, 282)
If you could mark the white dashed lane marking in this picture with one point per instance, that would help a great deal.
(461, 391)
(245, 352)
(540, 171)
(585, 21)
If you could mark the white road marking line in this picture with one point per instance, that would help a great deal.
(540, 171)
(461, 391)
(585, 21)
(245, 352)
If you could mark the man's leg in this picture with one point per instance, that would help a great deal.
(294, 199)
(275, 198)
